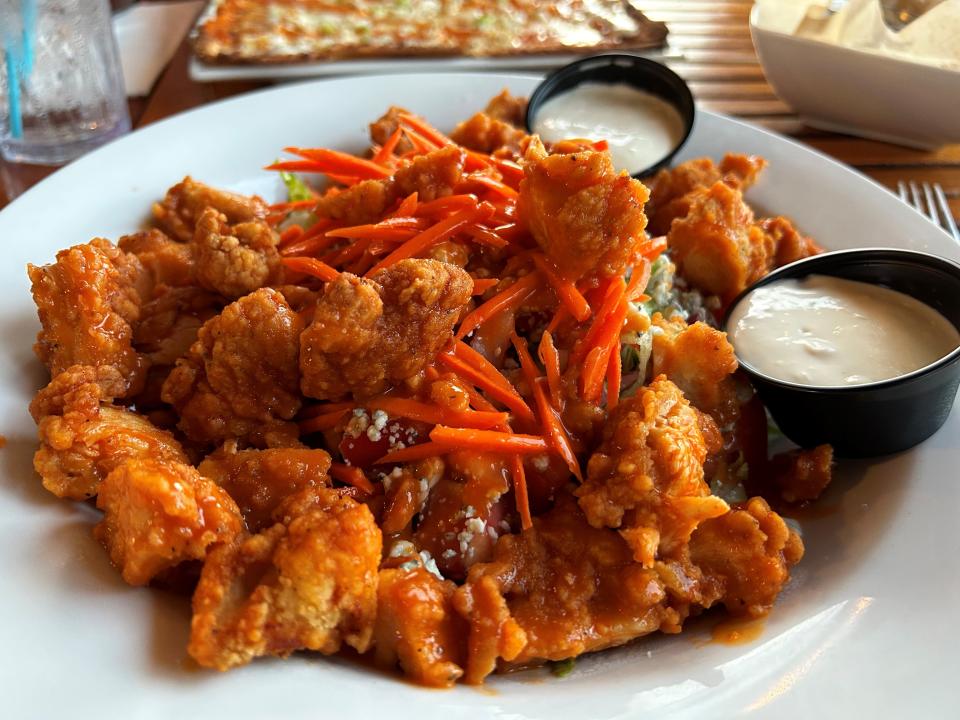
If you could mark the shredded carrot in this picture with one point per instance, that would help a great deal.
(421, 145)
(488, 440)
(398, 228)
(425, 129)
(351, 476)
(348, 254)
(566, 291)
(436, 234)
(612, 294)
(286, 207)
(520, 491)
(326, 407)
(326, 421)
(511, 172)
(614, 378)
(607, 341)
(492, 184)
(437, 414)
(341, 163)
(295, 166)
(487, 380)
(551, 361)
(639, 278)
(317, 229)
(414, 452)
(654, 247)
(311, 266)
(481, 285)
(385, 153)
(485, 236)
(510, 298)
(558, 317)
(348, 180)
(476, 160)
(450, 203)
(294, 232)
(601, 145)
(477, 401)
(308, 245)
(408, 206)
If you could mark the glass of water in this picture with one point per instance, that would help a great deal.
(61, 86)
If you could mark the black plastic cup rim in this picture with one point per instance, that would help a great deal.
(642, 73)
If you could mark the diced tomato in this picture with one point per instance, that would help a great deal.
(369, 445)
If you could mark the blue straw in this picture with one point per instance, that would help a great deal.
(13, 94)
(18, 61)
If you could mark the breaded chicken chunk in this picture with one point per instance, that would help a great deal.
(417, 626)
(168, 261)
(159, 514)
(308, 584)
(746, 555)
(383, 127)
(234, 260)
(87, 307)
(558, 590)
(670, 189)
(508, 108)
(240, 379)
(178, 212)
(646, 478)
(802, 475)
(367, 334)
(259, 480)
(431, 175)
(789, 245)
(83, 438)
(170, 322)
(487, 134)
(584, 215)
(700, 361)
(716, 245)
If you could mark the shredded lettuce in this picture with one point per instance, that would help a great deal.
(670, 296)
(297, 189)
(562, 668)
(635, 358)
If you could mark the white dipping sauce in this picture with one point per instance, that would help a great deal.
(828, 331)
(639, 127)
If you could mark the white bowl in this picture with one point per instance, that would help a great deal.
(860, 93)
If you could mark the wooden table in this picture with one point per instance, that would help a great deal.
(718, 61)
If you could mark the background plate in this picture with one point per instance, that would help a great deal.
(865, 628)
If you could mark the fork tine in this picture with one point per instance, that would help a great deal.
(948, 222)
(902, 191)
(931, 205)
(915, 198)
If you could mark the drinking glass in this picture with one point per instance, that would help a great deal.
(61, 86)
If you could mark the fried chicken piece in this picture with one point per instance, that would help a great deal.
(508, 108)
(670, 189)
(432, 175)
(587, 218)
(486, 134)
(160, 514)
(168, 261)
(308, 584)
(170, 322)
(646, 478)
(87, 307)
(558, 590)
(83, 438)
(179, 211)
(366, 334)
(240, 379)
(234, 260)
(384, 126)
(716, 246)
(700, 361)
(802, 475)
(789, 245)
(259, 480)
(747, 554)
(418, 627)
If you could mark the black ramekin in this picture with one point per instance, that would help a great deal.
(644, 74)
(880, 417)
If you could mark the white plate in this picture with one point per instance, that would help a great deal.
(866, 627)
(208, 72)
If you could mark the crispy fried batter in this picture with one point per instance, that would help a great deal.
(587, 218)
(309, 584)
(556, 591)
(508, 108)
(383, 127)
(487, 134)
(431, 176)
(802, 475)
(159, 514)
(177, 214)
(716, 246)
(670, 189)
(95, 326)
(82, 438)
(168, 261)
(700, 361)
(746, 554)
(417, 627)
(646, 478)
(368, 333)
(240, 379)
(259, 480)
(234, 260)
(789, 245)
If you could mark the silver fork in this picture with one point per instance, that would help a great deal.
(930, 200)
